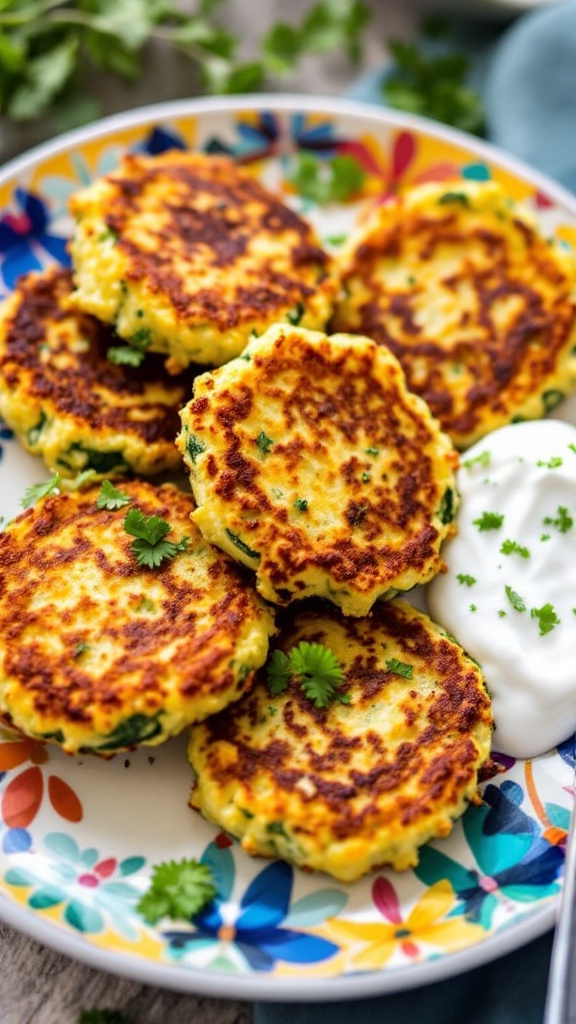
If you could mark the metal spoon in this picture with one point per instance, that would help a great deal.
(561, 994)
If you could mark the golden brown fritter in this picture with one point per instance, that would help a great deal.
(98, 652)
(311, 463)
(187, 254)
(68, 402)
(479, 307)
(351, 786)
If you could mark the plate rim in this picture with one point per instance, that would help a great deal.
(253, 986)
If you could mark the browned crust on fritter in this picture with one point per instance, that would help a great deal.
(207, 212)
(59, 544)
(503, 366)
(85, 386)
(430, 762)
(330, 400)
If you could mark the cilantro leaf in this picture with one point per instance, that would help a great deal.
(318, 671)
(489, 521)
(36, 492)
(400, 668)
(511, 547)
(178, 889)
(314, 667)
(483, 459)
(330, 180)
(563, 521)
(278, 672)
(150, 547)
(516, 601)
(125, 355)
(112, 498)
(547, 618)
(435, 86)
(465, 579)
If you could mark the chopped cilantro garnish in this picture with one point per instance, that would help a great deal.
(572, 447)
(563, 521)
(301, 504)
(544, 536)
(295, 315)
(515, 600)
(112, 498)
(400, 668)
(125, 355)
(314, 666)
(372, 451)
(464, 579)
(546, 616)
(263, 442)
(489, 521)
(483, 459)
(178, 889)
(36, 492)
(365, 478)
(552, 463)
(326, 180)
(80, 649)
(511, 547)
(473, 607)
(150, 546)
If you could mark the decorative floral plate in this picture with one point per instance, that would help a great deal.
(79, 835)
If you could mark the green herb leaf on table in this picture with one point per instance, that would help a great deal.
(178, 890)
(433, 86)
(150, 547)
(45, 44)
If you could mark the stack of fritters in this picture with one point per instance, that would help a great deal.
(323, 463)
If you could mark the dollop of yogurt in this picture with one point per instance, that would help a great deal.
(509, 593)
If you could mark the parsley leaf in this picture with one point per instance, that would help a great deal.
(489, 521)
(546, 616)
(400, 668)
(112, 498)
(150, 547)
(465, 579)
(278, 672)
(563, 520)
(435, 86)
(314, 666)
(515, 600)
(511, 547)
(44, 44)
(328, 180)
(36, 492)
(178, 889)
(125, 355)
(264, 443)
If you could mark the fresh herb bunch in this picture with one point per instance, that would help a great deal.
(434, 86)
(44, 44)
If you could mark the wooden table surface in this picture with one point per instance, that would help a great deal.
(37, 984)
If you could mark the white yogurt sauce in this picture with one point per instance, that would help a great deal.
(509, 595)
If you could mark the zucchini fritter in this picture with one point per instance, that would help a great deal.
(311, 463)
(187, 254)
(99, 653)
(477, 305)
(352, 786)
(67, 401)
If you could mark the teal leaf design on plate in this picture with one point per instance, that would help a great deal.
(313, 909)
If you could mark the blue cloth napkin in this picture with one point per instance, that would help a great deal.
(526, 73)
